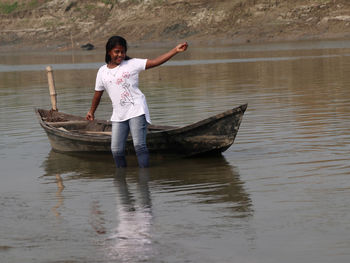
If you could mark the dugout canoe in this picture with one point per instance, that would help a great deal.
(73, 134)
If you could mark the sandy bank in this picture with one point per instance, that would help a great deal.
(66, 24)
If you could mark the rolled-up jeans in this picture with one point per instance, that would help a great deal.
(120, 131)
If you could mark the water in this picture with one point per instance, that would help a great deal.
(279, 194)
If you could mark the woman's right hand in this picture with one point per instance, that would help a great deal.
(90, 116)
(95, 101)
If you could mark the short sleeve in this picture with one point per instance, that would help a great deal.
(139, 64)
(99, 83)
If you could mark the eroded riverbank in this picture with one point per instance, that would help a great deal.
(62, 25)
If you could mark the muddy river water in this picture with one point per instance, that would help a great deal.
(279, 194)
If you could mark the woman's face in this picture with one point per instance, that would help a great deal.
(117, 54)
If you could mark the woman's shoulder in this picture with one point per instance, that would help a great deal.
(134, 62)
(102, 68)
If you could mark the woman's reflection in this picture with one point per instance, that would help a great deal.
(132, 236)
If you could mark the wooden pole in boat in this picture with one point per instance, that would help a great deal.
(53, 94)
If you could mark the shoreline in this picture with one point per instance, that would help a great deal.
(59, 47)
(67, 25)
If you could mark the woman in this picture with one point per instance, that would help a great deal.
(119, 77)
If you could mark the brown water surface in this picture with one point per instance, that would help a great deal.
(279, 194)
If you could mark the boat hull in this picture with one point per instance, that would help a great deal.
(70, 133)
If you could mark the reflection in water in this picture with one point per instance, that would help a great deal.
(126, 230)
(84, 165)
(97, 221)
(132, 238)
(59, 195)
(207, 181)
(212, 179)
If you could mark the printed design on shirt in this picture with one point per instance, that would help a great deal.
(126, 96)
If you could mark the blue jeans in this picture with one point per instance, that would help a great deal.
(120, 131)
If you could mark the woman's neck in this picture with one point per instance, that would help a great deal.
(112, 65)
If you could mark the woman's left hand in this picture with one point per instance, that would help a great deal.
(181, 47)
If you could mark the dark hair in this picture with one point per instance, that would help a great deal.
(111, 43)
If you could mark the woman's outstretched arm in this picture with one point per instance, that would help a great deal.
(151, 63)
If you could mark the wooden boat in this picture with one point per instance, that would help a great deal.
(70, 133)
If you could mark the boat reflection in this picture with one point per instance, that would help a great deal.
(79, 165)
(129, 235)
(211, 179)
(206, 180)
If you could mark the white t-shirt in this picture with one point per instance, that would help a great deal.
(121, 84)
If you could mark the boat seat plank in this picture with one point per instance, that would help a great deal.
(97, 132)
(67, 123)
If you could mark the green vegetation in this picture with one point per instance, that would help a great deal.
(8, 8)
(108, 2)
(90, 7)
(34, 3)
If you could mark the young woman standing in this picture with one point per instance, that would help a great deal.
(119, 78)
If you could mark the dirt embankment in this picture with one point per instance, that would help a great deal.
(63, 24)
